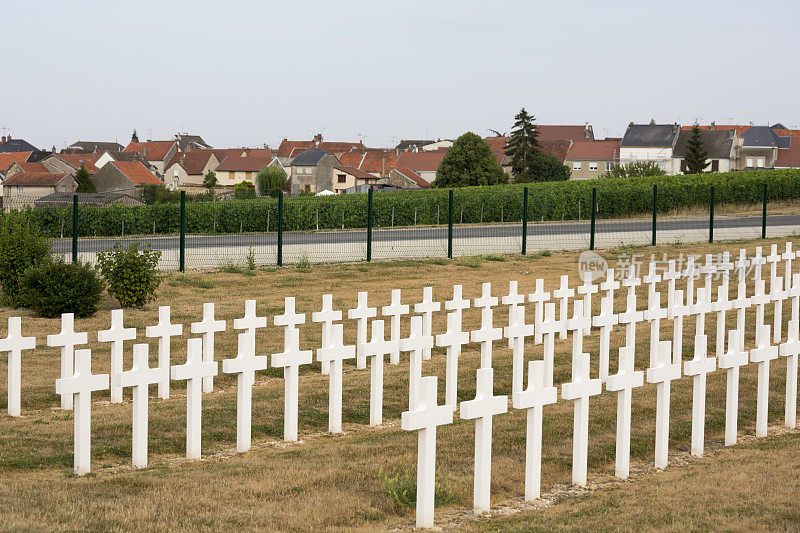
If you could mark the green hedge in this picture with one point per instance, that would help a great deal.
(570, 200)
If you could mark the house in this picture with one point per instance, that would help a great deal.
(293, 148)
(25, 166)
(156, 153)
(424, 164)
(720, 145)
(760, 146)
(187, 170)
(188, 143)
(313, 171)
(437, 145)
(412, 145)
(92, 147)
(24, 188)
(347, 177)
(94, 199)
(590, 159)
(373, 161)
(123, 176)
(650, 142)
(789, 157)
(557, 149)
(236, 169)
(109, 156)
(578, 133)
(71, 162)
(405, 178)
(7, 144)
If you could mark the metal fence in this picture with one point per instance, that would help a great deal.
(351, 228)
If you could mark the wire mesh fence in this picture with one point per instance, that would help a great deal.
(389, 225)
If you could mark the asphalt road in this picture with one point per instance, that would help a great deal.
(548, 229)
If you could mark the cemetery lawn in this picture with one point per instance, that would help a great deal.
(338, 481)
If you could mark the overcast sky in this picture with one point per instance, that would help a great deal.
(245, 73)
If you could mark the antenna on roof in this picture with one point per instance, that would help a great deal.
(361, 137)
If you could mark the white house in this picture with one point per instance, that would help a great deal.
(650, 142)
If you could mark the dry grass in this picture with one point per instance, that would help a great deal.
(334, 481)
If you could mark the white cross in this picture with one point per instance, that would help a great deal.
(482, 409)
(563, 294)
(606, 320)
(576, 325)
(777, 294)
(724, 266)
(586, 290)
(424, 419)
(742, 302)
(208, 327)
(690, 273)
(533, 399)
(699, 368)
(194, 371)
(550, 327)
(415, 344)
(81, 384)
(773, 259)
(453, 340)
(623, 382)
(290, 359)
(245, 365)
(630, 317)
(790, 350)
(327, 316)
(426, 308)
(787, 256)
(14, 343)
(580, 389)
(702, 306)
(662, 374)
(334, 353)
(514, 300)
(538, 299)
(516, 333)
(610, 285)
(487, 334)
(762, 354)
(376, 348)
(670, 276)
(757, 262)
(652, 279)
(362, 313)
(67, 339)
(653, 314)
(760, 298)
(676, 312)
(708, 270)
(116, 335)
(139, 378)
(163, 331)
(721, 306)
(458, 304)
(734, 358)
(394, 311)
(794, 294)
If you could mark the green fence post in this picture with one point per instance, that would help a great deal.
(369, 225)
(764, 215)
(182, 256)
(711, 216)
(655, 210)
(450, 224)
(280, 229)
(594, 217)
(75, 229)
(524, 221)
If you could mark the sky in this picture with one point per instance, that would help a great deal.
(246, 73)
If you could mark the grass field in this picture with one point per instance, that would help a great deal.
(336, 481)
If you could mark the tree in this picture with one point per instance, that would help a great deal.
(469, 162)
(497, 133)
(210, 181)
(696, 155)
(135, 137)
(270, 181)
(85, 183)
(523, 144)
(244, 191)
(544, 167)
(639, 169)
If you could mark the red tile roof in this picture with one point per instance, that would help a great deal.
(192, 162)
(9, 158)
(719, 127)
(421, 161)
(598, 150)
(413, 176)
(790, 158)
(353, 171)
(292, 148)
(31, 167)
(252, 163)
(788, 133)
(35, 179)
(76, 160)
(557, 149)
(562, 133)
(136, 172)
(372, 161)
(152, 150)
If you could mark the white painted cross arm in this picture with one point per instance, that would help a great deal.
(327, 316)
(117, 334)
(194, 371)
(426, 308)
(67, 339)
(453, 340)
(487, 334)
(731, 360)
(14, 343)
(362, 313)
(163, 331)
(290, 360)
(538, 299)
(623, 382)
(208, 327)
(395, 310)
(334, 353)
(376, 349)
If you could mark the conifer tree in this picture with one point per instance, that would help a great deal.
(85, 183)
(523, 144)
(135, 137)
(696, 155)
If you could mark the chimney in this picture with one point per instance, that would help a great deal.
(3, 140)
(713, 125)
(383, 165)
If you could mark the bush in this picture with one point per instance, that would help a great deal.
(55, 287)
(21, 247)
(131, 274)
(244, 190)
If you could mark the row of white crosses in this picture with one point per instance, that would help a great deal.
(665, 365)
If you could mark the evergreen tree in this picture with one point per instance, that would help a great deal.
(210, 181)
(523, 144)
(696, 155)
(85, 183)
(469, 162)
(135, 137)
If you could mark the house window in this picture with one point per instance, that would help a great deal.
(593, 166)
(761, 163)
(342, 178)
(715, 165)
(609, 166)
(683, 165)
(749, 162)
(576, 165)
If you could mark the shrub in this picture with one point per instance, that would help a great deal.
(244, 191)
(55, 287)
(21, 247)
(131, 274)
(401, 485)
